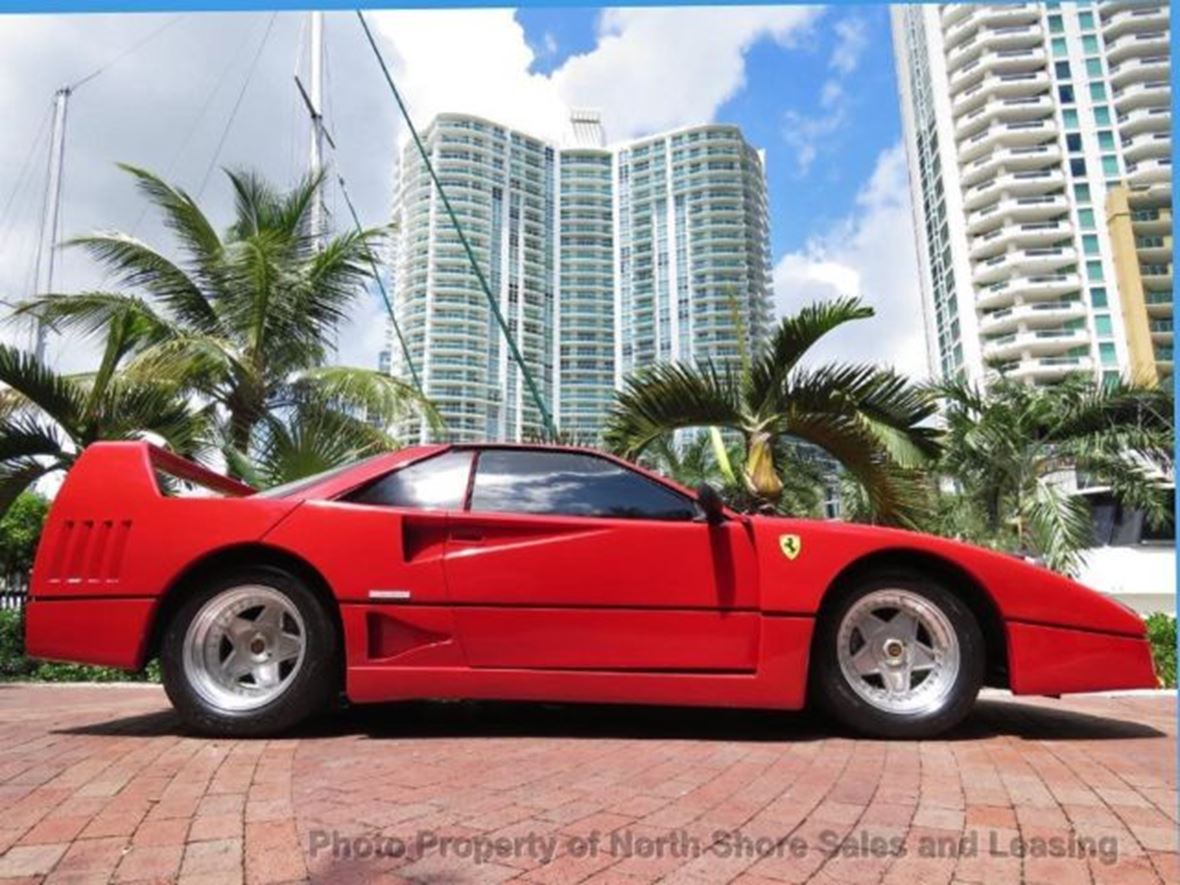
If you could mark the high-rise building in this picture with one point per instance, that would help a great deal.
(1038, 137)
(602, 260)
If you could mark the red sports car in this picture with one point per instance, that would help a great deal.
(538, 572)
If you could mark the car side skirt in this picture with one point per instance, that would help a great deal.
(1060, 660)
(403, 653)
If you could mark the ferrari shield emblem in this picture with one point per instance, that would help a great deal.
(791, 545)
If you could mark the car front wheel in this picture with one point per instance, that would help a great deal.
(249, 655)
(898, 656)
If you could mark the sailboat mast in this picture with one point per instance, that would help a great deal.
(316, 107)
(51, 211)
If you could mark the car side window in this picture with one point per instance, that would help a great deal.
(437, 483)
(570, 484)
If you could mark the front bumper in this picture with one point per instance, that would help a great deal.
(107, 632)
(1064, 660)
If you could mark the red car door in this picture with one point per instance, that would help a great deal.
(567, 560)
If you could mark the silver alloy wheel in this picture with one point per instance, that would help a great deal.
(244, 648)
(898, 651)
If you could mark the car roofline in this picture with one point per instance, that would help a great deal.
(370, 469)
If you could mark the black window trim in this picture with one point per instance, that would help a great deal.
(693, 505)
(345, 496)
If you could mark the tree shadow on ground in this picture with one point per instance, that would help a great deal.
(474, 719)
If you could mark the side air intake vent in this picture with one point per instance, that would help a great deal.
(89, 551)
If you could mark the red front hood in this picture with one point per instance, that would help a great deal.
(1021, 590)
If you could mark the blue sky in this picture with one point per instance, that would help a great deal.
(781, 102)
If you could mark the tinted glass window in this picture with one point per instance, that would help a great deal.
(438, 483)
(570, 484)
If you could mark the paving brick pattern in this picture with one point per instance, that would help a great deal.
(99, 783)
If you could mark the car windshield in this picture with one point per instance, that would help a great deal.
(288, 489)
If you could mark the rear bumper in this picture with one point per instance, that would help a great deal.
(1063, 660)
(108, 632)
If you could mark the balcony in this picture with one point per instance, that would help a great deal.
(1151, 94)
(1145, 120)
(1157, 276)
(1137, 45)
(1005, 110)
(1044, 369)
(1157, 170)
(1034, 315)
(1049, 207)
(1038, 343)
(1159, 302)
(953, 13)
(1000, 86)
(1134, 20)
(1154, 250)
(1006, 159)
(1032, 288)
(994, 39)
(1026, 134)
(1013, 184)
(1032, 233)
(1147, 145)
(981, 16)
(1154, 67)
(1008, 61)
(1045, 259)
(1151, 221)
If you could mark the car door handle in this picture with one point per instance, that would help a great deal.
(466, 536)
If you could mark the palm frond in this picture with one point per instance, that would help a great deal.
(38, 385)
(793, 337)
(311, 439)
(381, 398)
(136, 265)
(18, 475)
(91, 313)
(669, 396)
(188, 223)
(1058, 525)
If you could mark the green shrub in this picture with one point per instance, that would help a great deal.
(1161, 633)
(14, 664)
(20, 530)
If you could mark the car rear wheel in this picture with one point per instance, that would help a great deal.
(250, 654)
(898, 656)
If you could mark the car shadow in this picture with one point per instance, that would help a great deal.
(457, 719)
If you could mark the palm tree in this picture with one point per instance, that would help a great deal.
(867, 418)
(1014, 450)
(309, 439)
(47, 419)
(246, 320)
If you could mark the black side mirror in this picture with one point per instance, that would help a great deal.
(711, 503)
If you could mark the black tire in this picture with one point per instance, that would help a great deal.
(311, 688)
(831, 689)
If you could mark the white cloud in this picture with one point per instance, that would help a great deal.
(852, 38)
(651, 68)
(807, 134)
(869, 254)
(658, 68)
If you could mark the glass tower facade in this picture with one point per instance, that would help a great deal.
(602, 259)
(1038, 137)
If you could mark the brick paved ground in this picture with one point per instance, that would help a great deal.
(97, 782)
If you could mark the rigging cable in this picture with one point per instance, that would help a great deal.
(546, 418)
(186, 140)
(21, 176)
(384, 293)
(237, 103)
(147, 38)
